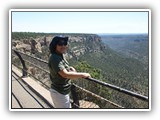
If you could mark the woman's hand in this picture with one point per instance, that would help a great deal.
(86, 75)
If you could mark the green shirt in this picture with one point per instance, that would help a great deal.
(56, 64)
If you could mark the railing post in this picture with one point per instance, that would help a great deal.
(74, 96)
(24, 70)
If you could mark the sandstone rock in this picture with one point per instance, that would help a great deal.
(31, 70)
(87, 104)
(38, 47)
(33, 45)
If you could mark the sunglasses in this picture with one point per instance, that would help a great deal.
(62, 43)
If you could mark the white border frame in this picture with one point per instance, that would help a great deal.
(86, 10)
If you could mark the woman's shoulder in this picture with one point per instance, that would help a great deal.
(55, 57)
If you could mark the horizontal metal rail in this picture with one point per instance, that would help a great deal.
(39, 62)
(44, 65)
(99, 97)
(119, 89)
(46, 86)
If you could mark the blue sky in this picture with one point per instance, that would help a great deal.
(80, 22)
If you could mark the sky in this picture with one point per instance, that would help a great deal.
(80, 22)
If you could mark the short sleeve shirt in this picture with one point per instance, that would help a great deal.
(57, 63)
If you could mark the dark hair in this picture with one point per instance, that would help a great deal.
(54, 42)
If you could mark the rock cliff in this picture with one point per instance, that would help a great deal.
(78, 45)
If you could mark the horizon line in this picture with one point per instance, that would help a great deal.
(76, 33)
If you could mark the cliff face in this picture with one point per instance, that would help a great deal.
(79, 44)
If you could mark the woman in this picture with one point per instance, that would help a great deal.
(61, 73)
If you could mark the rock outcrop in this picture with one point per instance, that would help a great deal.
(79, 44)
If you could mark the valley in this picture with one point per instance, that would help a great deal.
(121, 60)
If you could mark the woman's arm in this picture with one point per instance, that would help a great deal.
(72, 69)
(73, 75)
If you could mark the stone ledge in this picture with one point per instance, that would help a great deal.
(35, 86)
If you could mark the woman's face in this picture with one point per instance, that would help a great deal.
(62, 47)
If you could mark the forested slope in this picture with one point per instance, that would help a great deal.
(88, 53)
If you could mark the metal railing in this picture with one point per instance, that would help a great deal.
(85, 93)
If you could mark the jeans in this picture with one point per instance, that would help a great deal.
(60, 100)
